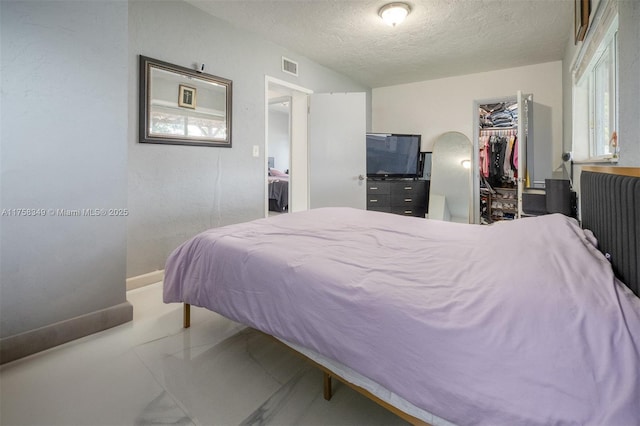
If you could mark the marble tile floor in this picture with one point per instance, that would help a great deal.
(151, 371)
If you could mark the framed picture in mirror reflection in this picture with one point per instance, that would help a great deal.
(187, 97)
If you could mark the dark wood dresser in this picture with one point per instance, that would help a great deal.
(405, 197)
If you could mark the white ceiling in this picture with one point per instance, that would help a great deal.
(440, 38)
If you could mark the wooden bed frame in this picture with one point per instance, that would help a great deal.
(327, 376)
(610, 201)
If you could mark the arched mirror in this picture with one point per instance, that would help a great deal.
(450, 191)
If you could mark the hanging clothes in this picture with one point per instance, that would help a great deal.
(498, 161)
(496, 170)
(498, 157)
(484, 156)
(514, 157)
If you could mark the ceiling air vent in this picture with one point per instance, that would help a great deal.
(289, 66)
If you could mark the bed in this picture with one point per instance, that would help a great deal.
(278, 193)
(278, 190)
(521, 322)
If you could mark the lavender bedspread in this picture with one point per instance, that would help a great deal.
(519, 322)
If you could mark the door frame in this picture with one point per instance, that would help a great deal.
(298, 161)
(525, 105)
(475, 218)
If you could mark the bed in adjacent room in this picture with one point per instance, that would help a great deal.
(278, 191)
(517, 322)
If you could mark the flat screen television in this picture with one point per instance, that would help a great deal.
(393, 155)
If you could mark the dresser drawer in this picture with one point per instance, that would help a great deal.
(409, 187)
(378, 200)
(409, 211)
(384, 209)
(378, 187)
(402, 198)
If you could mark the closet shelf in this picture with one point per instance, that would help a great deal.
(499, 128)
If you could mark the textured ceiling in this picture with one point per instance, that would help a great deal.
(440, 38)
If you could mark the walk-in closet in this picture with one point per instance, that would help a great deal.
(500, 169)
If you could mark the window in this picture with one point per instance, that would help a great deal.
(602, 112)
(595, 98)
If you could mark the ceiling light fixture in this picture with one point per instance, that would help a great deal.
(394, 13)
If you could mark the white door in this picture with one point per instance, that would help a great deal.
(337, 151)
(299, 172)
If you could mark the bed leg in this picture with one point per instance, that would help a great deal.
(186, 317)
(326, 379)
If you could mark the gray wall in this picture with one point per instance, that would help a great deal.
(629, 84)
(177, 191)
(64, 146)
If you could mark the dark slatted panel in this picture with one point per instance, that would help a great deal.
(611, 209)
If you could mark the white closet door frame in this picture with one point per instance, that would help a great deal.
(476, 150)
(523, 130)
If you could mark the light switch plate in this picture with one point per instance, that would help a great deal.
(256, 150)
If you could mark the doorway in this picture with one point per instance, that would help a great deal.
(278, 154)
(286, 127)
(503, 156)
(327, 132)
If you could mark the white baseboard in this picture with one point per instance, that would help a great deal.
(145, 279)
